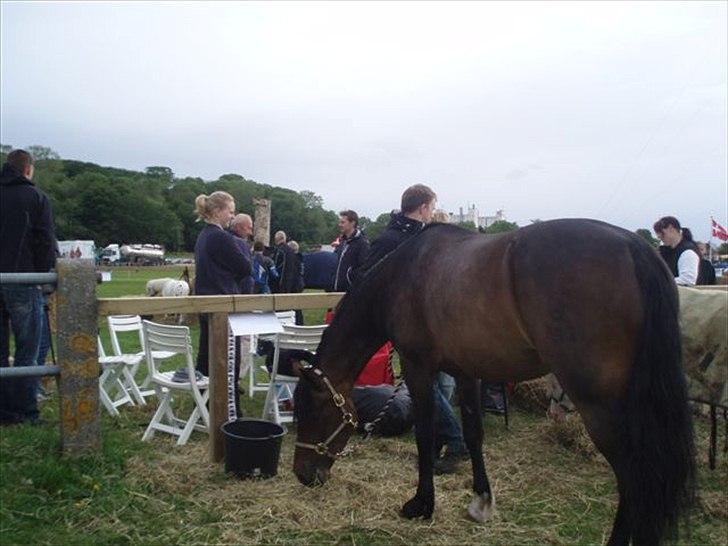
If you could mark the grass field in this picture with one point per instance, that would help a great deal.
(157, 493)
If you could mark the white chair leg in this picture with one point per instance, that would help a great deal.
(202, 406)
(189, 427)
(106, 401)
(132, 387)
(123, 395)
(157, 418)
(271, 401)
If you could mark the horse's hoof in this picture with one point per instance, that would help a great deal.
(482, 507)
(416, 508)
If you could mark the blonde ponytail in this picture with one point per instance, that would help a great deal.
(206, 205)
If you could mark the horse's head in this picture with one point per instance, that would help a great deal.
(326, 420)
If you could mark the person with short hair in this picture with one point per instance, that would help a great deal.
(678, 250)
(285, 260)
(27, 245)
(351, 252)
(418, 204)
(263, 270)
(290, 270)
(241, 226)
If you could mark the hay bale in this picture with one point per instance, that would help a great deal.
(533, 395)
(571, 433)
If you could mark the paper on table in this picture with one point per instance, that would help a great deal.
(245, 324)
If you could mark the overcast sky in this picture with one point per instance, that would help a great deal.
(612, 110)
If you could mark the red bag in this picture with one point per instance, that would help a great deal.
(377, 371)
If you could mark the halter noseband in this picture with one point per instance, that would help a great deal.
(347, 418)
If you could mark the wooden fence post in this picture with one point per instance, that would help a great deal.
(78, 386)
(218, 336)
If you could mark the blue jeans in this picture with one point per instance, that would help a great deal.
(448, 431)
(22, 309)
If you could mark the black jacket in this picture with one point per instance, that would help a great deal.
(27, 239)
(246, 286)
(400, 229)
(352, 254)
(290, 271)
(706, 273)
(220, 265)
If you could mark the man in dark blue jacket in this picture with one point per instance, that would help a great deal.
(27, 244)
(418, 204)
(242, 228)
(351, 252)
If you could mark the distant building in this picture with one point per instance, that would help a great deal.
(472, 216)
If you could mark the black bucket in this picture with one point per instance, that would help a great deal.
(252, 447)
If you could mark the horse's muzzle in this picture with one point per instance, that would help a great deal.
(311, 476)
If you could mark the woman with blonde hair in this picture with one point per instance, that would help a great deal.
(220, 265)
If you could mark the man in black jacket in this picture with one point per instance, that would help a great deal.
(418, 204)
(285, 261)
(351, 252)
(288, 265)
(27, 244)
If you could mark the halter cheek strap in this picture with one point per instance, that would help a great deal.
(347, 418)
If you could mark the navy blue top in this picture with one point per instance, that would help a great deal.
(220, 265)
(27, 239)
(246, 287)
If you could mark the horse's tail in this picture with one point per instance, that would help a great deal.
(658, 432)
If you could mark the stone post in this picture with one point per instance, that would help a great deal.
(261, 231)
(78, 386)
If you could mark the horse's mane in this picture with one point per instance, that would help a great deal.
(352, 299)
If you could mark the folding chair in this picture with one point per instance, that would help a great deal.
(112, 391)
(161, 339)
(286, 318)
(500, 389)
(305, 338)
(133, 323)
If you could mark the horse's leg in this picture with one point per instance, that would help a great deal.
(423, 402)
(603, 428)
(483, 503)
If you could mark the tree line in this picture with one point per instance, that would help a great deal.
(111, 205)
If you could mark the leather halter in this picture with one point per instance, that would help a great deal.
(347, 418)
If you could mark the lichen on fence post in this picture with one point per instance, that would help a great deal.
(78, 386)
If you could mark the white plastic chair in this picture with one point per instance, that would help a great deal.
(133, 323)
(305, 338)
(160, 339)
(112, 391)
(286, 318)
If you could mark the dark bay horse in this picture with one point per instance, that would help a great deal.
(590, 302)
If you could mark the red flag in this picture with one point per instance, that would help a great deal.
(719, 231)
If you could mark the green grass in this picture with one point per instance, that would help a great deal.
(135, 492)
